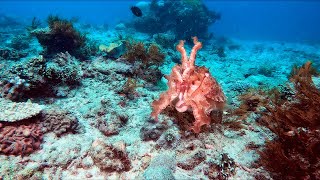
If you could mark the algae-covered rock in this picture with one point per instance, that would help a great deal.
(114, 50)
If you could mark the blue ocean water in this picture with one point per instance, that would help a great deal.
(159, 89)
(269, 20)
(264, 20)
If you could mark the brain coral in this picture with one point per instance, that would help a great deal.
(19, 139)
(59, 122)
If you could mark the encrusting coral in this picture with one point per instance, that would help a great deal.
(12, 111)
(191, 87)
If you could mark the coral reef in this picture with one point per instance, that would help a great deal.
(181, 17)
(251, 101)
(129, 88)
(59, 122)
(20, 130)
(108, 128)
(110, 158)
(31, 73)
(191, 87)
(148, 56)
(111, 125)
(20, 42)
(35, 24)
(165, 40)
(239, 87)
(63, 116)
(219, 51)
(294, 153)
(113, 50)
(41, 77)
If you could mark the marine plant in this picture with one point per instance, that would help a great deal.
(251, 101)
(294, 153)
(135, 51)
(35, 23)
(191, 87)
(146, 60)
(129, 88)
(148, 55)
(61, 37)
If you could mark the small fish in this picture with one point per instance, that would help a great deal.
(136, 11)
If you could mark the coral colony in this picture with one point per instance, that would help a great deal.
(84, 101)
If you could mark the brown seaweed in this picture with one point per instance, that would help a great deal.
(294, 153)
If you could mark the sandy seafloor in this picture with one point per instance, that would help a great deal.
(67, 157)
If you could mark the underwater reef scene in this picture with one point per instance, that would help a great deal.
(159, 96)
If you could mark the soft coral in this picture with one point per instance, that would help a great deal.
(191, 87)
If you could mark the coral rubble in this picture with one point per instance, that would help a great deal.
(109, 157)
(161, 167)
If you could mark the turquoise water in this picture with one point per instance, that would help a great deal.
(160, 89)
